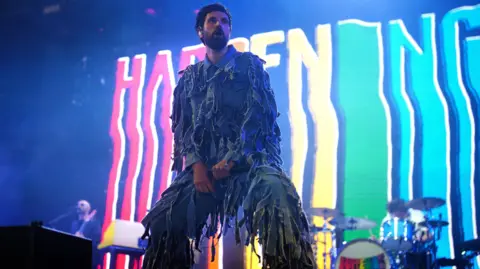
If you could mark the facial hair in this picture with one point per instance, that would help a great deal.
(215, 43)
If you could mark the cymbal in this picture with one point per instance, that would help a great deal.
(352, 223)
(324, 212)
(425, 203)
(434, 223)
(319, 229)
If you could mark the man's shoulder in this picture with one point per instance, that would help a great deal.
(190, 69)
(251, 58)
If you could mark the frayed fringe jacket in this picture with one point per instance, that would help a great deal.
(201, 110)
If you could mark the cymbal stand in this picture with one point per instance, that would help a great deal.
(324, 231)
(315, 246)
(333, 250)
(436, 233)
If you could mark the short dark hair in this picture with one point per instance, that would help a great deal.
(397, 205)
(202, 14)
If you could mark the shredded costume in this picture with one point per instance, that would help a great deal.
(227, 111)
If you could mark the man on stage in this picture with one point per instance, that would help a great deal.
(398, 209)
(227, 156)
(86, 226)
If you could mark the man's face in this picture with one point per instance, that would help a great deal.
(401, 214)
(83, 206)
(216, 30)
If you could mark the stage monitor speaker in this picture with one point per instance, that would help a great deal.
(32, 247)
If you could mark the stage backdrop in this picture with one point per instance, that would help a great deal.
(378, 101)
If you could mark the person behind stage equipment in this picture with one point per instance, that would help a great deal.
(397, 208)
(87, 226)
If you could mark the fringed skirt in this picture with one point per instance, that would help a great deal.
(272, 212)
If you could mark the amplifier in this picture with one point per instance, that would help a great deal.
(29, 247)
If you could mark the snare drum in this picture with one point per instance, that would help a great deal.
(362, 253)
(397, 234)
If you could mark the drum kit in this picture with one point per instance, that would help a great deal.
(402, 243)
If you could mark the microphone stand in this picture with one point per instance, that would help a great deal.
(59, 218)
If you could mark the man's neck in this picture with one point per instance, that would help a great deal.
(82, 216)
(215, 56)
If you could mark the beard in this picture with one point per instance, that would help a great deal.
(216, 41)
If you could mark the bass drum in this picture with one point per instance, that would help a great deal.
(362, 253)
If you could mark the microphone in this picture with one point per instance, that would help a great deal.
(422, 235)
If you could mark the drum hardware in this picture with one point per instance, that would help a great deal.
(325, 213)
(459, 263)
(418, 259)
(397, 235)
(414, 258)
(437, 230)
(348, 224)
(434, 223)
(400, 242)
(316, 230)
(340, 223)
(471, 245)
(362, 251)
(470, 250)
(425, 204)
(352, 223)
(467, 259)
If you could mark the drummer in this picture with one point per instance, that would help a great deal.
(398, 209)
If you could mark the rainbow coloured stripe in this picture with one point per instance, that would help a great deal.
(377, 262)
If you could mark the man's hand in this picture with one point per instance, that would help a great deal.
(200, 178)
(222, 169)
(79, 234)
(372, 236)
